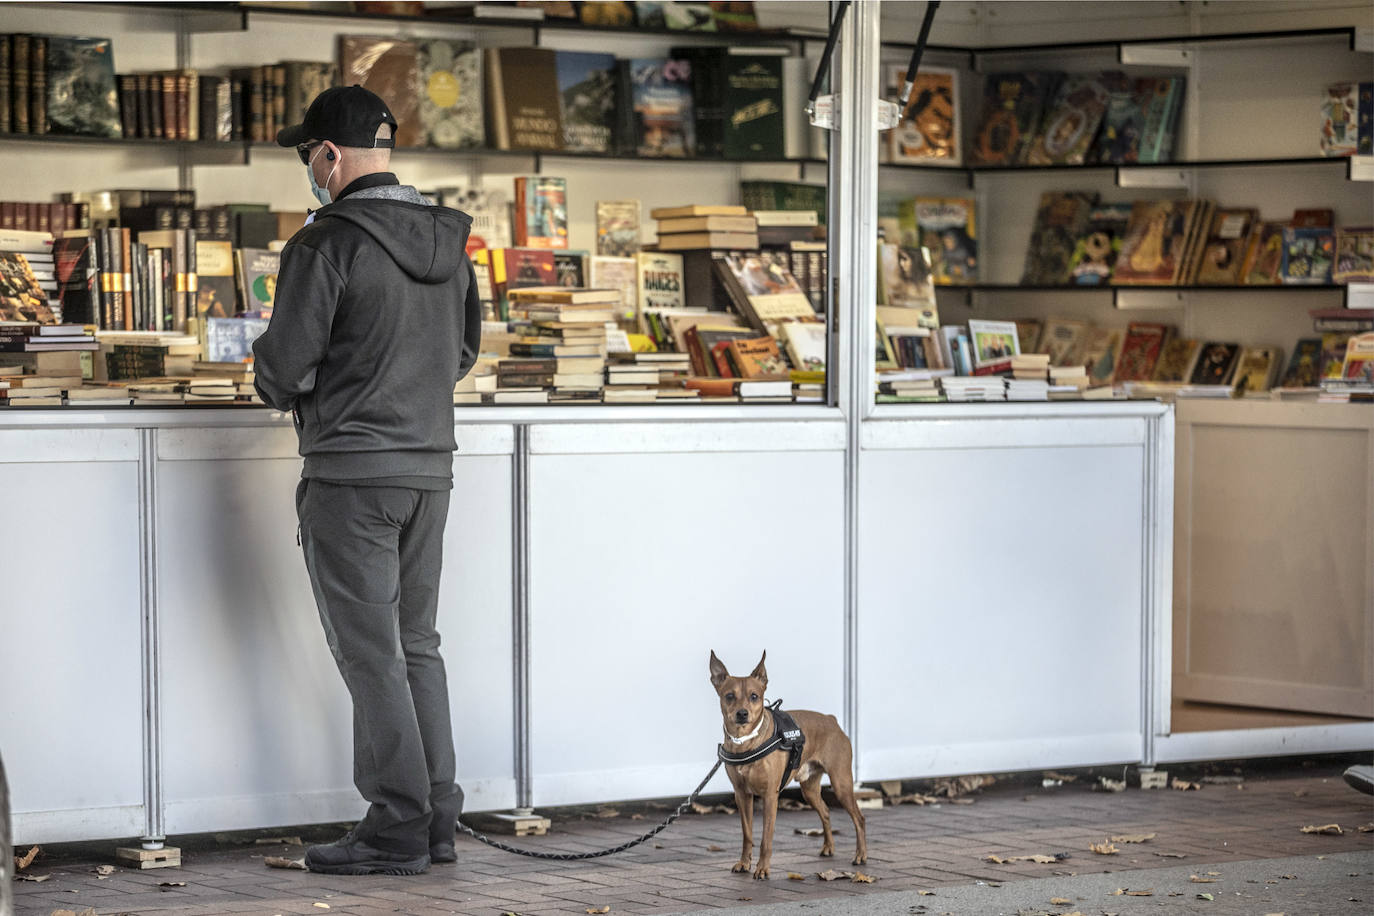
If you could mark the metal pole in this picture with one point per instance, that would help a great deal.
(153, 833)
(520, 624)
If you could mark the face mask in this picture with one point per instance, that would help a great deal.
(321, 193)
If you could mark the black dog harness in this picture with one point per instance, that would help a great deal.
(786, 737)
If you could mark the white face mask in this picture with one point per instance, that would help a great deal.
(321, 193)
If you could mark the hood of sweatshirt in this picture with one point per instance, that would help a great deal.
(425, 241)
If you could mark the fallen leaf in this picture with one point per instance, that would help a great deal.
(636, 816)
(925, 893)
(1172, 855)
(1039, 859)
(323, 906)
(1198, 879)
(1110, 785)
(714, 848)
(1217, 874)
(1134, 838)
(1062, 777)
(831, 874)
(1184, 785)
(104, 871)
(860, 878)
(794, 876)
(1149, 893)
(24, 861)
(594, 910)
(605, 811)
(788, 804)
(1366, 828)
(1204, 896)
(1060, 901)
(279, 841)
(961, 785)
(172, 884)
(279, 862)
(1333, 829)
(1104, 849)
(1300, 793)
(33, 878)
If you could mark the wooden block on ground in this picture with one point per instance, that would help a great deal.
(1154, 779)
(868, 798)
(517, 824)
(166, 857)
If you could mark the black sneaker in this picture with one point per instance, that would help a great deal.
(442, 853)
(350, 856)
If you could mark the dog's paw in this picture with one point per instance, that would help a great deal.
(861, 860)
(740, 867)
(827, 851)
(761, 873)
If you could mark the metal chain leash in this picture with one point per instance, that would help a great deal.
(569, 856)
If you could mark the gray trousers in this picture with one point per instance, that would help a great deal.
(374, 556)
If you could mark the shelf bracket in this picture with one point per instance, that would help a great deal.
(1154, 56)
(1127, 177)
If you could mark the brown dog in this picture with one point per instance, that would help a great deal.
(749, 726)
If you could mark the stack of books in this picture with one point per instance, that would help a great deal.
(706, 226)
(18, 390)
(480, 381)
(27, 337)
(27, 258)
(1067, 382)
(908, 390)
(157, 392)
(208, 390)
(645, 377)
(98, 395)
(1030, 377)
(563, 357)
(150, 354)
(974, 387)
(750, 391)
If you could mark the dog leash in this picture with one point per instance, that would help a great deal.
(570, 856)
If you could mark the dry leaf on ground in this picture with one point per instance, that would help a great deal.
(1110, 785)
(1134, 838)
(1366, 828)
(172, 884)
(1038, 859)
(1172, 855)
(1104, 849)
(1333, 829)
(794, 876)
(714, 848)
(1060, 901)
(323, 906)
(860, 878)
(24, 861)
(1131, 893)
(831, 874)
(279, 841)
(1205, 897)
(1184, 785)
(104, 871)
(279, 862)
(34, 878)
(595, 910)
(605, 811)
(962, 785)
(636, 816)
(1198, 879)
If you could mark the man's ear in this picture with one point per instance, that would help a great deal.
(759, 671)
(718, 672)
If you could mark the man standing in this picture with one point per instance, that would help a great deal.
(377, 316)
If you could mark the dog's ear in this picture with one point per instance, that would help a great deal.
(718, 672)
(759, 671)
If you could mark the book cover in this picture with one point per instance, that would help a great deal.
(1013, 104)
(1255, 370)
(1340, 111)
(687, 17)
(762, 291)
(807, 344)
(1264, 254)
(1365, 141)
(784, 195)
(1354, 255)
(661, 102)
(82, 94)
(1223, 251)
(606, 272)
(948, 230)
(77, 271)
(929, 126)
(520, 268)
(1333, 354)
(659, 281)
(586, 87)
(390, 68)
(1028, 334)
(215, 285)
(1059, 222)
(734, 15)
(1308, 255)
(1358, 365)
(1123, 122)
(256, 271)
(600, 12)
(305, 79)
(490, 210)
(702, 340)
(1305, 365)
(523, 108)
(1176, 360)
(1102, 355)
(21, 298)
(617, 228)
(1159, 135)
(571, 268)
(1155, 247)
(905, 277)
(1096, 251)
(1216, 362)
(1141, 350)
(994, 344)
(753, 116)
(541, 207)
(1070, 123)
(451, 94)
(230, 340)
(757, 358)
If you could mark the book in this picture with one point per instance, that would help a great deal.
(784, 195)
(1305, 365)
(1365, 140)
(519, 268)
(659, 279)
(1354, 255)
(77, 271)
(1060, 220)
(617, 228)
(305, 79)
(1159, 135)
(760, 290)
(1096, 251)
(737, 100)
(929, 125)
(1154, 250)
(1176, 360)
(1070, 123)
(734, 15)
(390, 68)
(1224, 248)
(701, 341)
(660, 102)
(563, 294)
(1358, 365)
(256, 271)
(1141, 351)
(994, 345)
(682, 241)
(1102, 355)
(1255, 370)
(21, 298)
(571, 269)
(1028, 334)
(541, 208)
(1333, 353)
(905, 276)
(82, 94)
(1308, 255)
(695, 210)
(524, 111)
(1263, 263)
(1138, 124)
(757, 358)
(451, 106)
(605, 272)
(947, 229)
(807, 344)
(1215, 364)
(607, 13)
(1340, 113)
(744, 224)
(1013, 103)
(489, 208)
(587, 90)
(230, 340)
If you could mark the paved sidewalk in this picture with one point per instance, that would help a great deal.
(1248, 834)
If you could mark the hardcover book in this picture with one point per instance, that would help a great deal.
(1176, 360)
(1102, 355)
(1216, 362)
(305, 79)
(523, 108)
(215, 287)
(1070, 123)
(1340, 111)
(256, 270)
(490, 212)
(1264, 254)
(1358, 365)
(761, 291)
(1223, 251)
(599, 12)
(1333, 353)
(1141, 350)
(586, 87)
(994, 344)
(807, 344)
(1012, 107)
(1096, 251)
(451, 93)
(1305, 365)
(1158, 138)
(388, 67)
(1354, 255)
(571, 268)
(230, 340)
(1155, 248)
(660, 99)
(1308, 255)
(1366, 120)
(905, 276)
(947, 230)
(1138, 123)
(660, 281)
(541, 207)
(757, 358)
(82, 96)
(737, 103)
(1255, 370)
(734, 15)
(607, 272)
(702, 340)
(929, 126)
(21, 298)
(1059, 223)
(784, 195)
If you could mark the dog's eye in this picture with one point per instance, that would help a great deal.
(753, 698)
(729, 698)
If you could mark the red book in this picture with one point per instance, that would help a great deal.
(1141, 349)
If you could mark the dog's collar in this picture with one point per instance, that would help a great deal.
(752, 735)
(786, 737)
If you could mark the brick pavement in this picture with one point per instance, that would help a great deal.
(687, 867)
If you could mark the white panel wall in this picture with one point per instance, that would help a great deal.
(650, 548)
(71, 722)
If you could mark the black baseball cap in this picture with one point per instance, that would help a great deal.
(345, 116)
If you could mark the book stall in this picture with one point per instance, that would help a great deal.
(747, 381)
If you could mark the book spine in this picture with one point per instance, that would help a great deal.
(143, 119)
(124, 238)
(19, 84)
(187, 303)
(192, 95)
(170, 107)
(522, 212)
(278, 102)
(38, 85)
(257, 105)
(5, 87)
(1364, 143)
(181, 93)
(156, 109)
(128, 105)
(235, 110)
